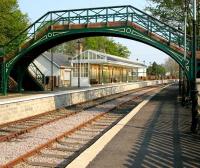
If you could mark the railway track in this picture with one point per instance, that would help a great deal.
(14, 129)
(62, 149)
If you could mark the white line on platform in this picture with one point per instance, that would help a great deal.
(83, 160)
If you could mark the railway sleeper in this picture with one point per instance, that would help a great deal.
(66, 149)
(42, 164)
(79, 138)
(84, 133)
(63, 142)
(57, 156)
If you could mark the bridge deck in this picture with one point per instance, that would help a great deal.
(157, 136)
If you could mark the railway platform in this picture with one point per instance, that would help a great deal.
(157, 136)
(27, 105)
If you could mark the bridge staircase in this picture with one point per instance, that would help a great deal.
(33, 79)
(12, 84)
(36, 77)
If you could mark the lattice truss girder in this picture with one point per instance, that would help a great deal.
(99, 15)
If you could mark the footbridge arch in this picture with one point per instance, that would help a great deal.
(56, 27)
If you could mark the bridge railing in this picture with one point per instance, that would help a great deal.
(37, 74)
(95, 15)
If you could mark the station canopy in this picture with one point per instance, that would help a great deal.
(95, 57)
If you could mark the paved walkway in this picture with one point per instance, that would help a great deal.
(158, 136)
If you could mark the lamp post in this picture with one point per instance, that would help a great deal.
(143, 69)
(180, 80)
(52, 77)
(137, 69)
(79, 52)
(194, 91)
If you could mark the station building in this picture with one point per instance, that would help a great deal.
(89, 68)
(93, 67)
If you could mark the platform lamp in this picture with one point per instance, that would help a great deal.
(79, 42)
(149, 73)
(194, 90)
(137, 69)
(52, 78)
(143, 68)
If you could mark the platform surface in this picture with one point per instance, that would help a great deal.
(57, 91)
(157, 136)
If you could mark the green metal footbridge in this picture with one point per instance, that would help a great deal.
(56, 27)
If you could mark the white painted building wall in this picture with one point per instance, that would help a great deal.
(142, 71)
(45, 66)
(84, 81)
(63, 75)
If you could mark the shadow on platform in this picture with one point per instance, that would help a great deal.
(164, 139)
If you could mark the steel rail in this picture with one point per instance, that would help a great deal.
(55, 113)
(50, 142)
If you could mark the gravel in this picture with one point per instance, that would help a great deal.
(26, 142)
(50, 160)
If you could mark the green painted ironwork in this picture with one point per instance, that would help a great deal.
(37, 74)
(42, 31)
(99, 15)
(1, 77)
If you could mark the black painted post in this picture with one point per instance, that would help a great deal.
(193, 82)
(183, 90)
(180, 80)
(79, 53)
(52, 78)
(102, 75)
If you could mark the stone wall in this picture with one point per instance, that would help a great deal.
(18, 108)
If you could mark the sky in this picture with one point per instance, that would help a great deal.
(140, 51)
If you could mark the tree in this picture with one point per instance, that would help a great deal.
(156, 70)
(171, 12)
(12, 20)
(102, 44)
(172, 67)
(107, 45)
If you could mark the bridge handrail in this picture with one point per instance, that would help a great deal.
(35, 27)
(37, 74)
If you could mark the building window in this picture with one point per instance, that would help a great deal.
(83, 70)
(75, 70)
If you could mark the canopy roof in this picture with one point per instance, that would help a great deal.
(95, 57)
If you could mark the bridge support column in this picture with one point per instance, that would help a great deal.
(183, 92)
(188, 88)
(20, 77)
(4, 79)
(180, 80)
(194, 90)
